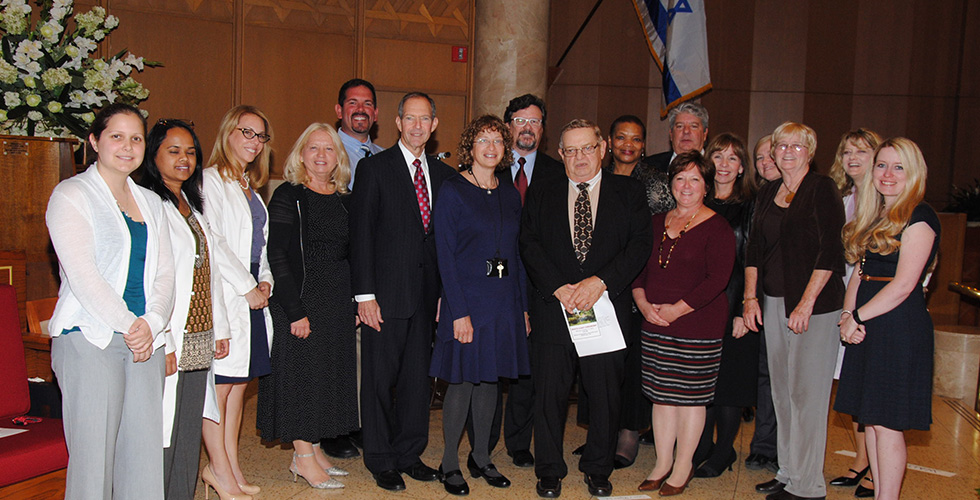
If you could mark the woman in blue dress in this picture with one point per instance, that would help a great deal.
(482, 335)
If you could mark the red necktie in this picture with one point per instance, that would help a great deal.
(520, 180)
(422, 193)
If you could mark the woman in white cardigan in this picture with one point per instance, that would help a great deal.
(238, 217)
(198, 331)
(115, 300)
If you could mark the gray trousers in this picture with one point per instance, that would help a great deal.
(182, 458)
(112, 417)
(801, 370)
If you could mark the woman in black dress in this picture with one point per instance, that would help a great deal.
(733, 199)
(886, 378)
(312, 392)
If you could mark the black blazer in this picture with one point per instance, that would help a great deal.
(621, 244)
(660, 161)
(545, 168)
(391, 255)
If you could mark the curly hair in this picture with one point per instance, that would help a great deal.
(744, 188)
(294, 170)
(876, 229)
(837, 171)
(488, 123)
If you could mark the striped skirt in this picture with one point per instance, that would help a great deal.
(679, 372)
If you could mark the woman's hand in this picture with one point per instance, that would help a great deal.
(752, 314)
(300, 328)
(266, 289)
(256, 298)
(139, 339)
(220, 348)
(171, 364)
(799, 319)
(527, 323)
(850, 331)
(651, 313)
(463, 330)
(669, 312)
(738, 327)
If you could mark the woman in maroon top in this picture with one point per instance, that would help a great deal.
(681, 294)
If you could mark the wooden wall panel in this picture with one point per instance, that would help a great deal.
(445, 21)
(411, 65)
(321, 16)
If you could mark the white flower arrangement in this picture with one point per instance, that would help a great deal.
(49, 83)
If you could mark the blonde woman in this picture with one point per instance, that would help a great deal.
(886, 379)
(239, 164)
(312, 392)
(852, 163)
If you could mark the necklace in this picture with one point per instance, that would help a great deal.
(478, 183)
(792, 194)
(660, 251)
(246, 181)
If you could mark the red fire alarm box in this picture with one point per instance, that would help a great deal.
(459, 54)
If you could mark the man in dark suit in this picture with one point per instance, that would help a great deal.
(526, 117)
(688, 132)
(396, 286)
(579, 238)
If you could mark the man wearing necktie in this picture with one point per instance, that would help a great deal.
(581, 237)
(525, 115)
(357, 110)
(396, 285)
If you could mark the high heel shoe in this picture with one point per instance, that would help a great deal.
(251, 489)
(654, 484)
(708, 469)
(669, 490)
(329, 484)
(333, 471)
(207, 477)
(850, 481)
(862, 492)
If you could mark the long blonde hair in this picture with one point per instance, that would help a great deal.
(874, 228)
(837, 171)
(258, 169)
(295, 172)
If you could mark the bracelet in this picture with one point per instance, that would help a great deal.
(747, 299)
(857, 319)
(845, 311)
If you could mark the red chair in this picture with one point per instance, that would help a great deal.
(41, 449)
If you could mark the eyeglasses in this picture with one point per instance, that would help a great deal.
(520, 122)
(795, 147)
(179, 122)
(250, 134)
(483, 141)
(586, 150)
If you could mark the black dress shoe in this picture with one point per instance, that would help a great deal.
(522, 458)
(454, 489)
(357, 438)
(421, 472)
(599, 485)
(773, 486)
(390, 480)
(647, 437)
(756, 461)
(850, 481)
(339, 447)
(490, 473)
(621, 462)
(578, 451)
(549, 487)
(862, 492)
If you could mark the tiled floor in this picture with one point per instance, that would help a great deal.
(951, 452)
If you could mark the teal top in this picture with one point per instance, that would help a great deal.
(133, 295)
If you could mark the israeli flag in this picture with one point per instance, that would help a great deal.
(678, 40)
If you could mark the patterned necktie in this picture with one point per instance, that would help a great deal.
(367, 151)
(422, 193)
(520, 180)
(583, 223)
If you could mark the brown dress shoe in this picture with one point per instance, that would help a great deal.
(654, 484)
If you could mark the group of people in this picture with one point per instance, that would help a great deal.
(473, 275)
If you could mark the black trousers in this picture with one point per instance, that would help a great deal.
(764, 438)
(395, 391)
(553, 370)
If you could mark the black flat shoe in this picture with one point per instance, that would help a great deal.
(621, 462)
(850, 481)
(756, 461)
(709, 469)
(522, 458)
(769, 487)
(578, 451)
(390, 480)
(549, 487)
(490, 473)
(421, 472)
(453, 489)
(599, 485)
(339, 447)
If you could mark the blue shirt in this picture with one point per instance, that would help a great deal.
(528, 165)
(356, 150)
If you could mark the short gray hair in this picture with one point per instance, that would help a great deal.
(690, 107)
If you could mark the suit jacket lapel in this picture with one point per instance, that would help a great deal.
(561, 196)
